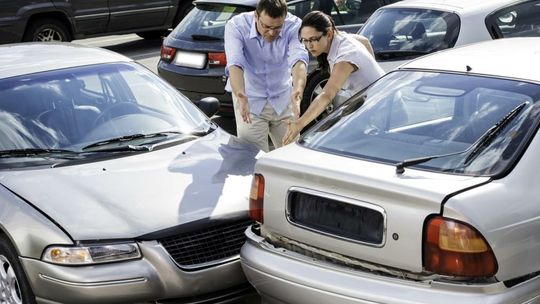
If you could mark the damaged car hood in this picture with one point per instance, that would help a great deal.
(129, 196)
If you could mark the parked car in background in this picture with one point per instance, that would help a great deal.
(408, 29)
(193, 57)
(54, 20)
(114, 188)
(419, 189)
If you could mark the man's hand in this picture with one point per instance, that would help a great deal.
(296, 99)
(243, 105)
(293, 130)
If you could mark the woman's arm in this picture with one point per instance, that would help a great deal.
(338, 77)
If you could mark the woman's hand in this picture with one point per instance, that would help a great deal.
(293, 130)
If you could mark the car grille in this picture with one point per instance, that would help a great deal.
(207, 247)
(356, 221)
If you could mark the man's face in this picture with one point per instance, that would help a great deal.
(269, 27)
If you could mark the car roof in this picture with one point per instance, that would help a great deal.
(27, 58)
(458, 6)
(252, 3)
(509, 57)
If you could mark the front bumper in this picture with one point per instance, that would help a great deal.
(152, 278)
(283, 276)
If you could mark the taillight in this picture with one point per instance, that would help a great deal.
(256, 198)
(217, 59)
(457, 249)
(167, 53)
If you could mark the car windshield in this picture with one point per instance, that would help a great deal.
(70, 109)
(207, 22)
(408, 115)
(404, 33)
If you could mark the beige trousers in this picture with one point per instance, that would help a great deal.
(263, 125)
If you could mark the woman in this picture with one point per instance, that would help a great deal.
(351, 64)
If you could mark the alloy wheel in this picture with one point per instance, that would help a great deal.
(9, 286)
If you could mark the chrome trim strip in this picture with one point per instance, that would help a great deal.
(150, 9)
(208, 264)
(341, 199)
(80, 17)
(93, 284)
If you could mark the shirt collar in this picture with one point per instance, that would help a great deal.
(253, 31)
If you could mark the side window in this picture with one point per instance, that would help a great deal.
(357, 11)
(300, 9)
(521, 20)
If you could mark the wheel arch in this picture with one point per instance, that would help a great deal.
(55, 15)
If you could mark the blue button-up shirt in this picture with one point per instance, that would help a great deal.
(266, 65)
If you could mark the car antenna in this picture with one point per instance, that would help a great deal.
(468, 67)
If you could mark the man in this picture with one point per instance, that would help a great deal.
(263, 50)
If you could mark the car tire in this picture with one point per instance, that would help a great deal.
(14, 287)
(315, 82)
(47, 30)
(152, 34)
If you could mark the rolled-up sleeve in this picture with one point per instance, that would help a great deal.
(233, 47)
(297, 50)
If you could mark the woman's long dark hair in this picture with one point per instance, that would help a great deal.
(323, 23)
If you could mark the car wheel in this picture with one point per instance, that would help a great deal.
(47, 30)
(14, 287)
(314, 87)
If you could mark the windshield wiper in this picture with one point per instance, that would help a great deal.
(211, 128)
(398, 54)
(205, 38)
(28, 152)
(128, 138)
(475, 148)
(492, 133)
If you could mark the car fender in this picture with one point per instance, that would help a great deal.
(29, 229)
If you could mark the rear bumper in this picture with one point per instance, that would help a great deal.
(154, 277)
(282, 276)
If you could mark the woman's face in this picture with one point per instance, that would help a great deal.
(315, 42)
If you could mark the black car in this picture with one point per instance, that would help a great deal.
(193, 58)
(65, 20)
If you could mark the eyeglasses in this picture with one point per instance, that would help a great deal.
(311, 40)
(270, 28)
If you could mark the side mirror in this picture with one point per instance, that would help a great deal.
(209, 105)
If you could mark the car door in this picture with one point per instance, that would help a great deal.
(133, 14)
(88, 16)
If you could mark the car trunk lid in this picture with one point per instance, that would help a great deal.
(358, 209)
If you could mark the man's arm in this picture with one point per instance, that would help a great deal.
(234, 70)
(299, 78)
(236, 78)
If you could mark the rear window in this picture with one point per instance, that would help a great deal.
(450, 119)
(399, 33)
(207, 22)
(521, 20)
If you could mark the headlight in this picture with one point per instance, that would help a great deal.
(91, 254)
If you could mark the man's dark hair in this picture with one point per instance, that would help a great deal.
(273, 8)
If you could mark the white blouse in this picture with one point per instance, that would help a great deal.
(345, 47)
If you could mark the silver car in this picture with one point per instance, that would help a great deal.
(423, 188)
(114, 188)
